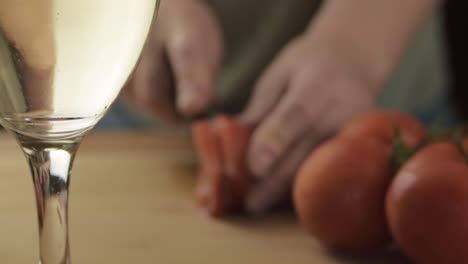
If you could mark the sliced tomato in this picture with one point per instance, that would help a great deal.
(223, 179)
(209, 177)
(234, 142)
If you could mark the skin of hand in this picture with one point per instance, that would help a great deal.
(176, 75)
(29, 26)
(318, 82)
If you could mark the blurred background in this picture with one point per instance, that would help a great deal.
(458, 53)
(438, 52)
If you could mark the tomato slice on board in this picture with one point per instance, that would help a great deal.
(223, 179)
(209, 174)
(234, 140)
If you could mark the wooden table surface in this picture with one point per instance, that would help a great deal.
(131, 202)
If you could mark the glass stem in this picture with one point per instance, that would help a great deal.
(50, 164)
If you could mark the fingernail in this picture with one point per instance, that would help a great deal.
(188, 101)
(265, 196)
(191, 98)
(254, 205)
(260, 162)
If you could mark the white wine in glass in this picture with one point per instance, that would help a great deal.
(62, 66)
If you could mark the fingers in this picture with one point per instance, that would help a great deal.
(267, 92)
(281, 142)
(270, 191)
(195, 55)
(150, 87)
(176, 76)
(282, 128)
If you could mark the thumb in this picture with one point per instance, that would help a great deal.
(195, 59)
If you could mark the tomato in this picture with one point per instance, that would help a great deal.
(223, 179)
(209, 178)
(427, 206)
(340, 190)
(383, 124)
(234, 140)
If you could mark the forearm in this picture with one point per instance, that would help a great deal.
(374, 33)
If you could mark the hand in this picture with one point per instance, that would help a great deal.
(308, 92)
(176, 75)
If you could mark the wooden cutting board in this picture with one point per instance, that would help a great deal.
(131, 202)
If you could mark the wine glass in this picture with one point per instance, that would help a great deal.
(62, 65)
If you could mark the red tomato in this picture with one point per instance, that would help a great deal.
(209, 178)
(383, 124)
(223, 179)
(340, 190)
(427, 206)
(234, 140)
